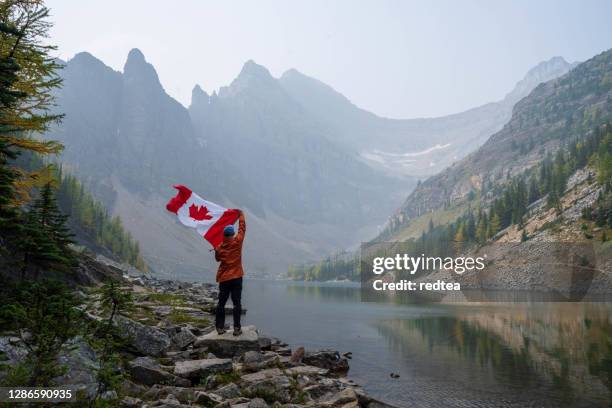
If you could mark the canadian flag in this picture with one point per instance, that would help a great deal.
(207, 218)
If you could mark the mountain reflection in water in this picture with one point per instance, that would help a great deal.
(461, 355)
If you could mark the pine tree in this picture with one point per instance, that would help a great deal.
(51, 219)
(494, 225)
(36, 250)
(28, 75)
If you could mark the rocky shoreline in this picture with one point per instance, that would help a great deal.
(174, 358)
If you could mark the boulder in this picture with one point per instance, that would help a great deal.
(265, 342)
(261, 375)
(81, 365)
(183, 394)
(130, 402)
(208, 399)
(195, 369)
(128, 387)
(228, 391)
(346, 398)
(183, 338)
(12, 352)
(145, 339)
(171, 402)
(147, 371)
(255, 360)
(277, 388)
(257, 403)
(328, 359)
(228, 345)
(306, 370)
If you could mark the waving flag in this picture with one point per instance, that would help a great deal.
(207, 218)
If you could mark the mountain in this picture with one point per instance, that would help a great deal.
(554, 113)
(289, 150)
(412, 146)
(286, 154)
(251, 147)
(541, 187)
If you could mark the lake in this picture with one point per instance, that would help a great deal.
(468, 355)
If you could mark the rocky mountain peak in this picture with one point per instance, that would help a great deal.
(543, 72)
(138, 70)
(252, 77)
(198, 96)
(253, 70)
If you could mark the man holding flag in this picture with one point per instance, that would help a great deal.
(215, 224)
(230, 274)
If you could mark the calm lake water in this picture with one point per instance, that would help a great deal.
(469, 355)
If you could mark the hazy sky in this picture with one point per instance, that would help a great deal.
(396, 58)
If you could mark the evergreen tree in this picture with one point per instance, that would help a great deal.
(51, 219)
(28, 79)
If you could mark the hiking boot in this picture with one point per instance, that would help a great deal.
(237, 331)
(220, 331)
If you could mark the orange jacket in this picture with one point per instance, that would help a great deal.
(229, 253)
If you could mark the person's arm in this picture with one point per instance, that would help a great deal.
(217, 256)
(241, 226)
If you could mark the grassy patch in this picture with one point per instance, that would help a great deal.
(226, 378)
(165, 298)
(179, 316)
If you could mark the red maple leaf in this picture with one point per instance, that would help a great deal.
(199, 213)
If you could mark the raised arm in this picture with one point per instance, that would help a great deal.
(241, 226)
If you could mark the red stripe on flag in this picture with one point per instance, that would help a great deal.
(214, 235)
(179, 200)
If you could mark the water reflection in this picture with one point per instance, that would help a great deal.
(342, 292)
(559, 351)
(452, 355)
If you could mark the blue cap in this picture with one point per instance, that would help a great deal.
(228, 231)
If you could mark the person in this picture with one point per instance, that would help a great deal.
(229, 274)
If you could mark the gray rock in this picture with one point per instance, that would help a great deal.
(146, 339)
(171, 402)
(265, 343)
(12, 350)
(257, 403)
(227, 345)
(328, 359)
(183, 394)
(109, 395)
(255, 361)
(128, 387)
(261, 375)
(130, 402)
(278, 387)
(147, 371)
(208, 399)
(183, 338)
(81, 366)
(195, 369)
(228, 391)
(345, 398)
(306, 370)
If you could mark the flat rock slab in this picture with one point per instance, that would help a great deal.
(146, 339)
(194, 369)
(306, 370)
(147, 371)
(228, 345)
(262, 375)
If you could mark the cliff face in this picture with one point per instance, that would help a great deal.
(421, 146)
(554, 112)
(252, 146)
